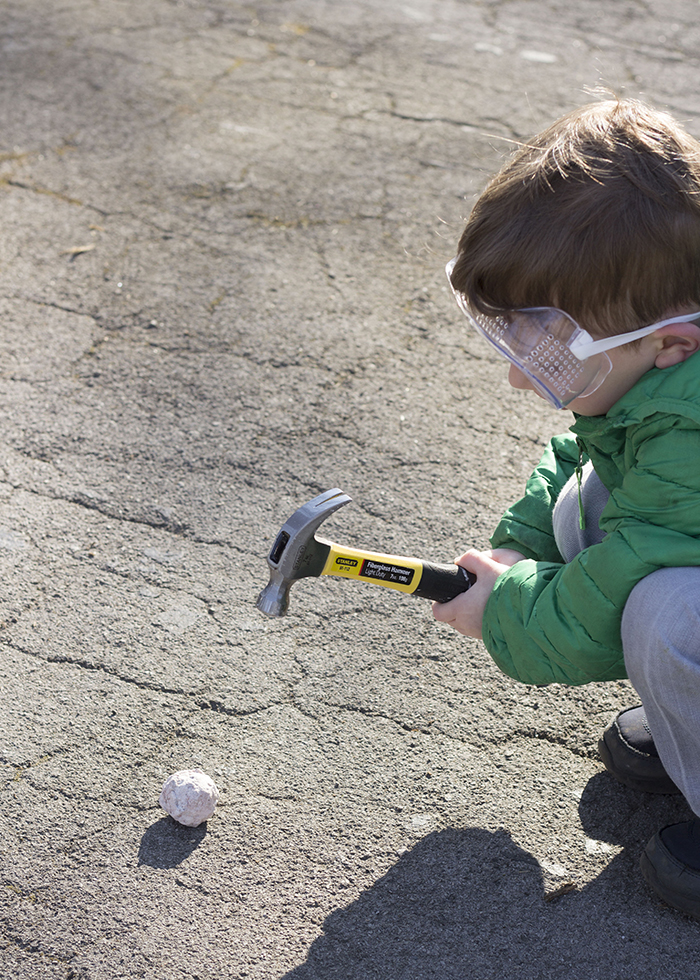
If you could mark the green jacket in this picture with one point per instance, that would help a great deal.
(547, 621)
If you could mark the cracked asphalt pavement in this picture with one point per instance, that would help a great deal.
(224, 230)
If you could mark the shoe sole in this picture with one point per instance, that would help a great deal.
(674, 883)
(661, 784)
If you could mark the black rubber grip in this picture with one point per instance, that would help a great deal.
(443, 582)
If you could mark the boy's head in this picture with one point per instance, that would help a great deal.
(599, 216)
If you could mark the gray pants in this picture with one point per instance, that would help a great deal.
(660, 639)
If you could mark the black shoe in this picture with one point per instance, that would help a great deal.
(671, 866)
(628, 752)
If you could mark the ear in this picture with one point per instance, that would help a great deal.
(676, 342)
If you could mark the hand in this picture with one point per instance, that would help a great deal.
(466, 612)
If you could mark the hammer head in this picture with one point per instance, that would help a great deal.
(296, 553)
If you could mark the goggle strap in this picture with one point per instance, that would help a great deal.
(584, 346)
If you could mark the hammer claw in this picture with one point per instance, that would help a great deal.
(303, 523)
(296, 553)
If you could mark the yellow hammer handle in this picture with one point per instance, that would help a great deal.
(410, 575)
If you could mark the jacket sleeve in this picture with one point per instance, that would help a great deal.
(547, 622)
(527, 525)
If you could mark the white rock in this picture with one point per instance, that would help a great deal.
(189, 796)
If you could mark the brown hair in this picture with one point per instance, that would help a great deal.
(598, 215)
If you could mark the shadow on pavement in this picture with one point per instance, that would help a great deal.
(442, 906)
(167, 843)
(612, 813)
(469, 903)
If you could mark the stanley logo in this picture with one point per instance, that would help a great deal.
(347, 562)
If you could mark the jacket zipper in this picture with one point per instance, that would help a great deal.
(579, 474)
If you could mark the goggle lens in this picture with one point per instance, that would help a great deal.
(538, 342)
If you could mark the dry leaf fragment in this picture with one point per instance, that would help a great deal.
(568, 886)
(78, 250)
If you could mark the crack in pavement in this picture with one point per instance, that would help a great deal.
(38, 189)
(200, 701)
(23, 767)
(33, 948)
(95, 667)
(80, 499)
(540, 735)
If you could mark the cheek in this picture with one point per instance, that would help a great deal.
(516, 379)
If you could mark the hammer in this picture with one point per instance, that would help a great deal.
(298, 553)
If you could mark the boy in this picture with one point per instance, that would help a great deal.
(580, 263)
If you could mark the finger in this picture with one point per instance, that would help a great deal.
(448, 612)
(475, 561)
(442, 613)
(467, 556)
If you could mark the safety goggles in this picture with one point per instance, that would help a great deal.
(560, 358)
